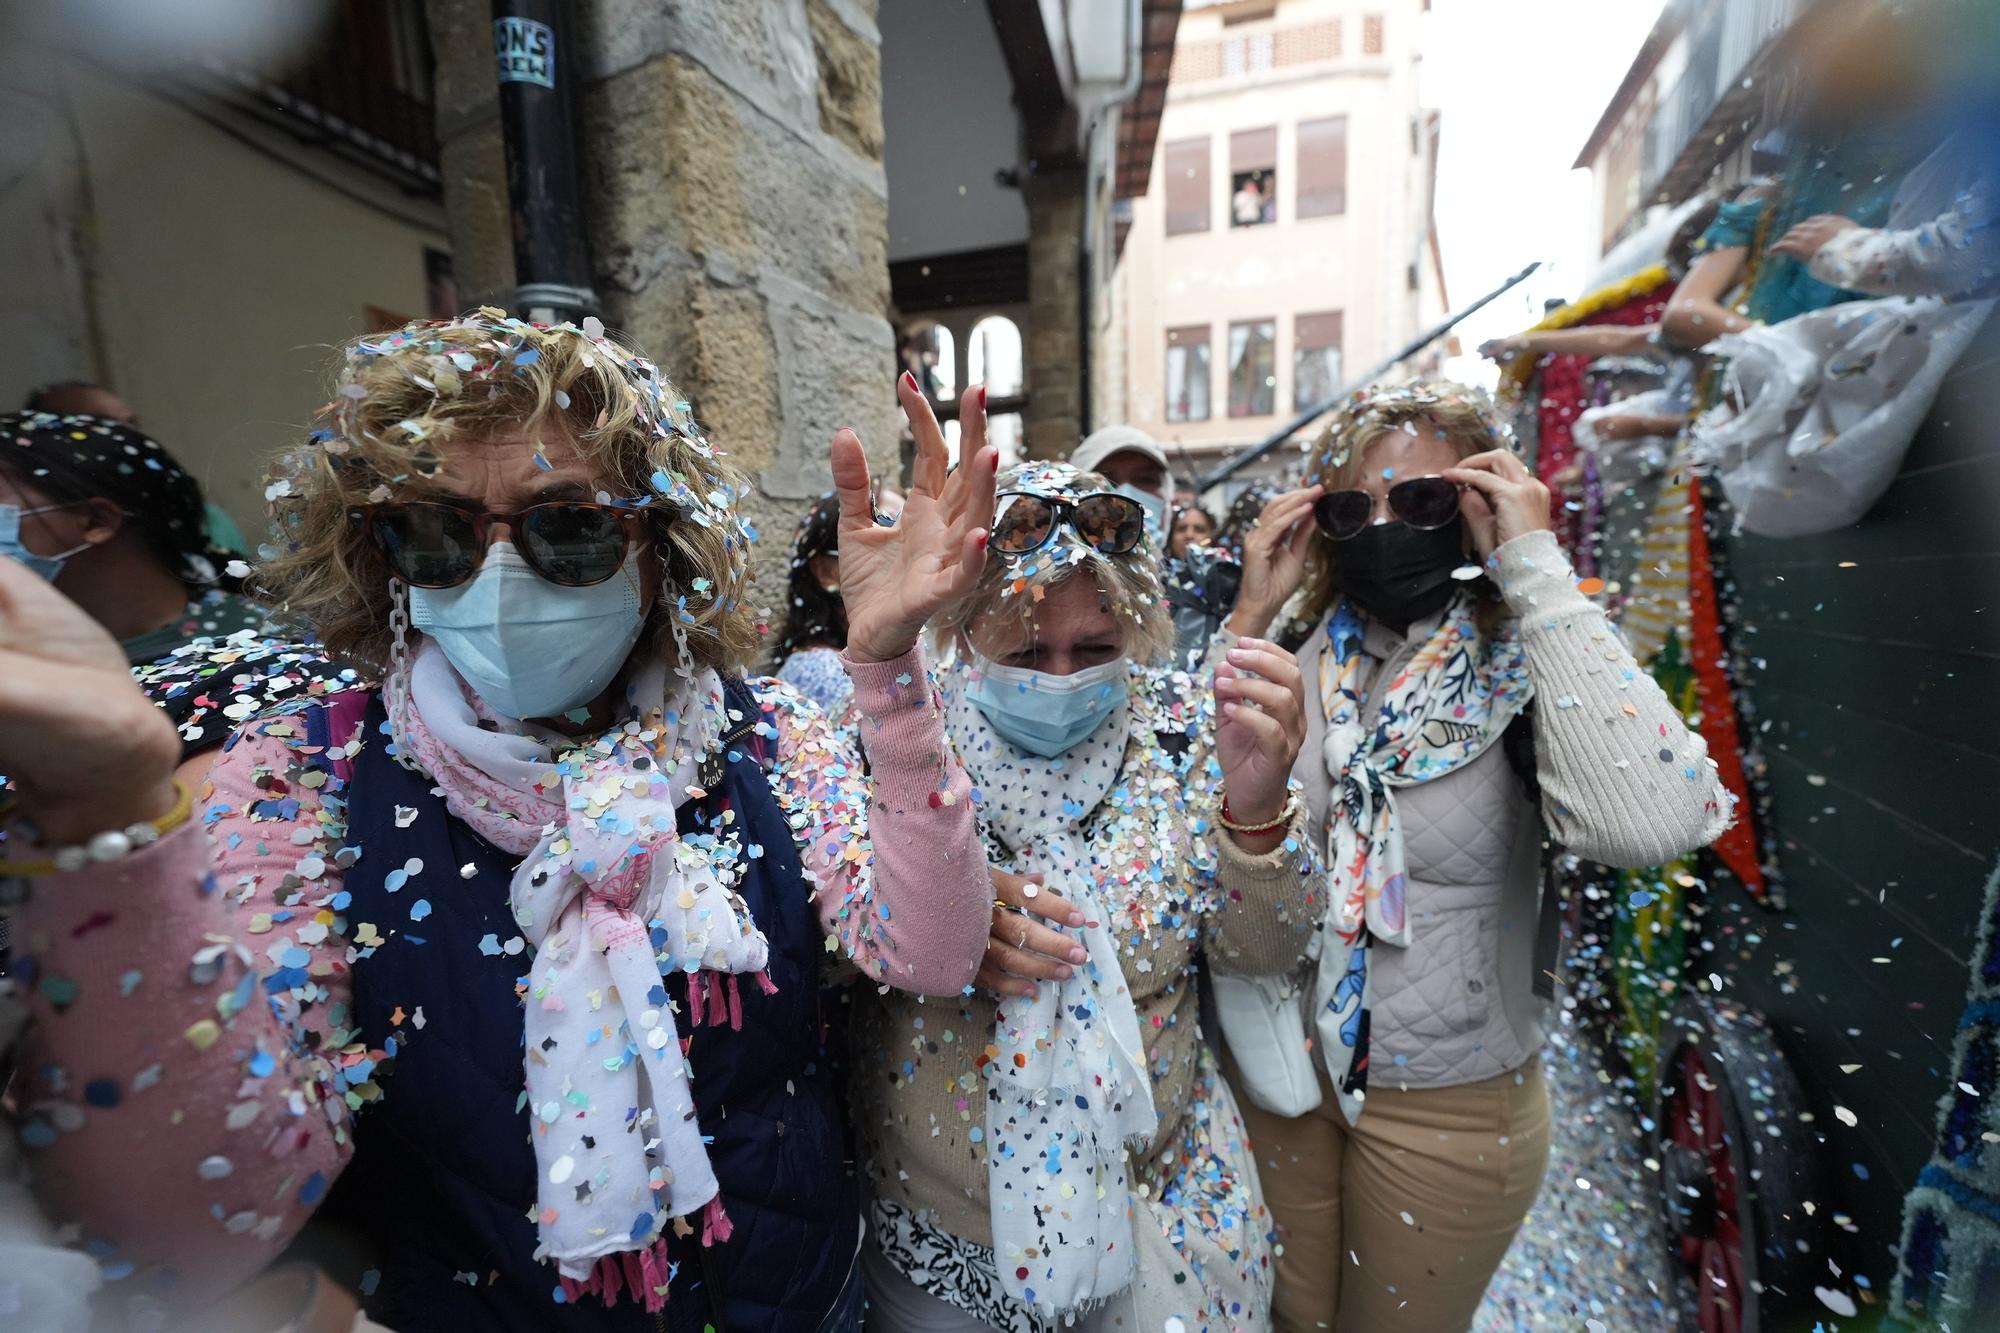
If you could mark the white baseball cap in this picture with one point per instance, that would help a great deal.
(1100, 445)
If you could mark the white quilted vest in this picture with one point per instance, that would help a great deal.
(1458, 1005)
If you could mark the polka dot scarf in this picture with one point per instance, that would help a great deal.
(1066, 1069)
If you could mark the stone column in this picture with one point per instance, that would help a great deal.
(1054, 355)
(738, 217)
(466, 91)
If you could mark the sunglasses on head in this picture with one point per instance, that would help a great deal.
(1426, 503)
(1108, 524)
(570, 543)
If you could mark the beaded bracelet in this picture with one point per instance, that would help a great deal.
(110, 845)
(1284, 817)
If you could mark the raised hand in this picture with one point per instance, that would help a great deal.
(81, 741)
(1260, 724)
(895, 579)
(1502, 500)
(1274, 559)
(1020, 951)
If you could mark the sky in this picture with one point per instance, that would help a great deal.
(1520, 84)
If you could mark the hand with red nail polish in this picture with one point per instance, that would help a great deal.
(894, 579)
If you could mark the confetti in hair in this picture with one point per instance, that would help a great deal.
(1013, 586)
(402, 400)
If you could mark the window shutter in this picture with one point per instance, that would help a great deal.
(1322, 176)
(1253, 150)
(1187, 186)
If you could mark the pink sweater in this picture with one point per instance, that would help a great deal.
(188, 1118)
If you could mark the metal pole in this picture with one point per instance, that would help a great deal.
(1423, 340)
(537, 105)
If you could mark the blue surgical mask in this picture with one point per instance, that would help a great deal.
(1041, 713)
(1156, 515)
(48, 566)
(528, 647)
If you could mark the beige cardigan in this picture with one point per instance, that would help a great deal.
(919, 1097)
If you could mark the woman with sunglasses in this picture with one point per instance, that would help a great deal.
(515, 963)
(1393, 1084)
(1058, 1143)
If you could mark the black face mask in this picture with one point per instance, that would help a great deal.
(1399, 574)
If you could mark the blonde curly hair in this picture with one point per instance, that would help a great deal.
(401, 399)
(1010, 588)
(1465, 416)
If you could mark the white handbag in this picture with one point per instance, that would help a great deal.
(1263, 1020)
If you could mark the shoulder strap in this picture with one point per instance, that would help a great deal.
(1518, 742)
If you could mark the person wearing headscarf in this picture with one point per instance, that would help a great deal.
(1463, 699)
(82, 398)
(1058, 1144)
(516, 961)
(119, 527)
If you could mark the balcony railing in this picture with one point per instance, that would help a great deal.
(1724, 38)
(363, 89)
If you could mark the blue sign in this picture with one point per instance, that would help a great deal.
(527, 51)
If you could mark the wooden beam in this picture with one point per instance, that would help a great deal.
(1049, 136)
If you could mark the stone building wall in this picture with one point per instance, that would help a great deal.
(738, 215)
(1054, 354)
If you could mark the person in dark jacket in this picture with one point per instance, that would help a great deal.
(518, 957)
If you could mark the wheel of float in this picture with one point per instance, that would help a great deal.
(1736, 1169)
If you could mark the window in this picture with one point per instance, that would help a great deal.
(1315, 359)
(1253, 177)
(993, 358)
(930, 354)
(1253, 368)
(364, 80)
(1187, 186)
(1371, 35)
(1187, 373)
(1322, 181)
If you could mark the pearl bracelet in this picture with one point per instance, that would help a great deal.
(110, 845)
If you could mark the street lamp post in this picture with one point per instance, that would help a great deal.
(544, 196)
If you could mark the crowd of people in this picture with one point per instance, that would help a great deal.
(1065, 909)
(445, 893)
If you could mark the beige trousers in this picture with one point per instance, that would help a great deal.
(1398, 1222)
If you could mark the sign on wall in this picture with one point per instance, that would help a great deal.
(526, 50)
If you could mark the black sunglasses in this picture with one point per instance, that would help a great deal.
(1427, 503)
(1108, 524)
(569, 543)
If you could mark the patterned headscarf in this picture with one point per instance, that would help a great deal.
(74, 458)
